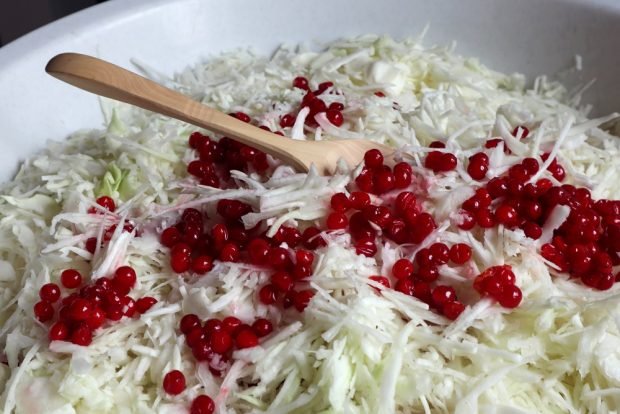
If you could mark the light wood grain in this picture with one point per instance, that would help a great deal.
(106, 79)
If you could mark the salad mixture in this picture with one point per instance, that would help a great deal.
(152, 267)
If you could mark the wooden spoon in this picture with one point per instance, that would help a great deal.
(106, 79)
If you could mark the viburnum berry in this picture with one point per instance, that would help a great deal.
(107, 203)
(174, 382)
(340, 202)
(403, 268)
(49, 292)
(189, 322)
(43, 311)
(460, 253)
(453, 310)
(145, 303)
(82, 335)
(59, 331)
(382, 280)
(373, 158)
(71, 278)
(202, 404)
(262, 327)
(440, 253)
(302, 299)
(478, 166)
(403, 175)
(359, 200)
(267, 295)
(443, 294)
(246, 338)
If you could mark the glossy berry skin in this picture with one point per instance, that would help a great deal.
(71, 278)
(340, 202)
(231, 324)
(302, 299)
(174, 382)
(107, 203)
(43, 311)
(373, 158)
(202, 404)
(334, 117)
(506, 215)
(49, 292)
(402, 269)
(170, 236)
(381, 280)
(403, 175)
(267, 295)
(301, 83)
(82, 336)
(189, 322)
(443, 294)
(510, 296)
(359, 200)
(460, 253)
(337, 221)
(221, 342)
(282, 281)
(246, 338)
(440, 253)
(453, 310)
(262, 327)
(145, 303)
(230, 253)
(258, 251)
(125, 276)
(202, 264)
(478, 166)
(59, 331)
(287, 120)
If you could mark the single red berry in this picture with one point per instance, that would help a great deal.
(126, 276)
(422, 291)
(80, 309)
(302, 299)
(282, 281)
(304, 257)
(323, 86)
(246, 338)
(221, 342)
(312, 238)
(337, 221)
(478, 166)
(195, 336)
(170, 236)
(258, 251)
(447, 162)
(145, 303)
(301, 83)
(403, 268)
(262, 327)
(82, 335)
(71, 278)
(460, 253)
(174, 382)
(230, 252)
(180, 261)
(301, 271)
(107, 203)
(510, 297)
(405, 286)
(382, 280)
(422, 228)
(403, 175)
(59, 331)
(267, 295)
(506, 215)
(492, 143)
(437, 144)
(202, 264)
(384, 181)
(443, 294)
(497, 187)
(91, 245)
(453, 310)
(203, 404)
(197, 140)
(49, 292)
(189, 322)
(43, 311)
(427, 274)
(373, 158)
(532, 230)
(359, 200)
(287, 120)
(606, 281)
(466, 220)
(335, 117)
(440, 253)
(231, 324)
(96, 319)
(340, 202)
(213, 325)
(202, 350)
(366, 247)
(279, 258)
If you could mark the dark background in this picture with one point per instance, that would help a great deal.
(18, 17)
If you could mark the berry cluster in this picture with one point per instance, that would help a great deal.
(107, 203)
(316, 105)
(174, 384)
(377, 178)
(81, 312)
(498, 282)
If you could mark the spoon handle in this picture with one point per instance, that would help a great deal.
(106, 79)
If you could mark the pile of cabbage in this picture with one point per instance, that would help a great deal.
(352, 350)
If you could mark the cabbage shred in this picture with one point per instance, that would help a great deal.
(352, 350)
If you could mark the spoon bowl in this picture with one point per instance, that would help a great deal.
(106, 79)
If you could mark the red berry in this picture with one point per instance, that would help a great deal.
(174, 382)
(107, 203)
(82, 335)
(91, 245)
(170, 236)
(287, 120)
(80, 309)
(301, 83)
(246, 338)
(180, 260)
(532, 230)
(383, 181)
(492, 143)
(366, 247)
(189, 322)
(510, 296)
(312, 238)
(231, 324)
(258, 251)
(478, 166)
(443, 294)
(427, 274)
(440, 253)
(423, 227)
(403, 175)
(43, 311)
(302, 299)
(202, 264)
(497, 187)
(202, 350)
(467, 220)
(279, 258)
(460, 253)
(335, 117)
(71, 278)
(359, 200)
(485, 219)
(323, 86)
(405, 286)
(304, 257)
(506, 215)
(437, 144)
(403, 268)
(447, 162)
(262, 327)
(453, 310)
(336, 106)
(381, 280)
(230, 252)
(373, 158)
(202, 404)
(337, 221)
(213, 325)
(145, 303)
(221, 342)
(282, 281)
(520, 130)
(340, 202)
(49, 292)
(125, 276)
(267, 295)
(197, 140)
(96, 319)
(59, 331)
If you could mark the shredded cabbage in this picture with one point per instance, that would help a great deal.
(352, 350)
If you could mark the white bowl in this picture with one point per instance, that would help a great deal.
(528, 36)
